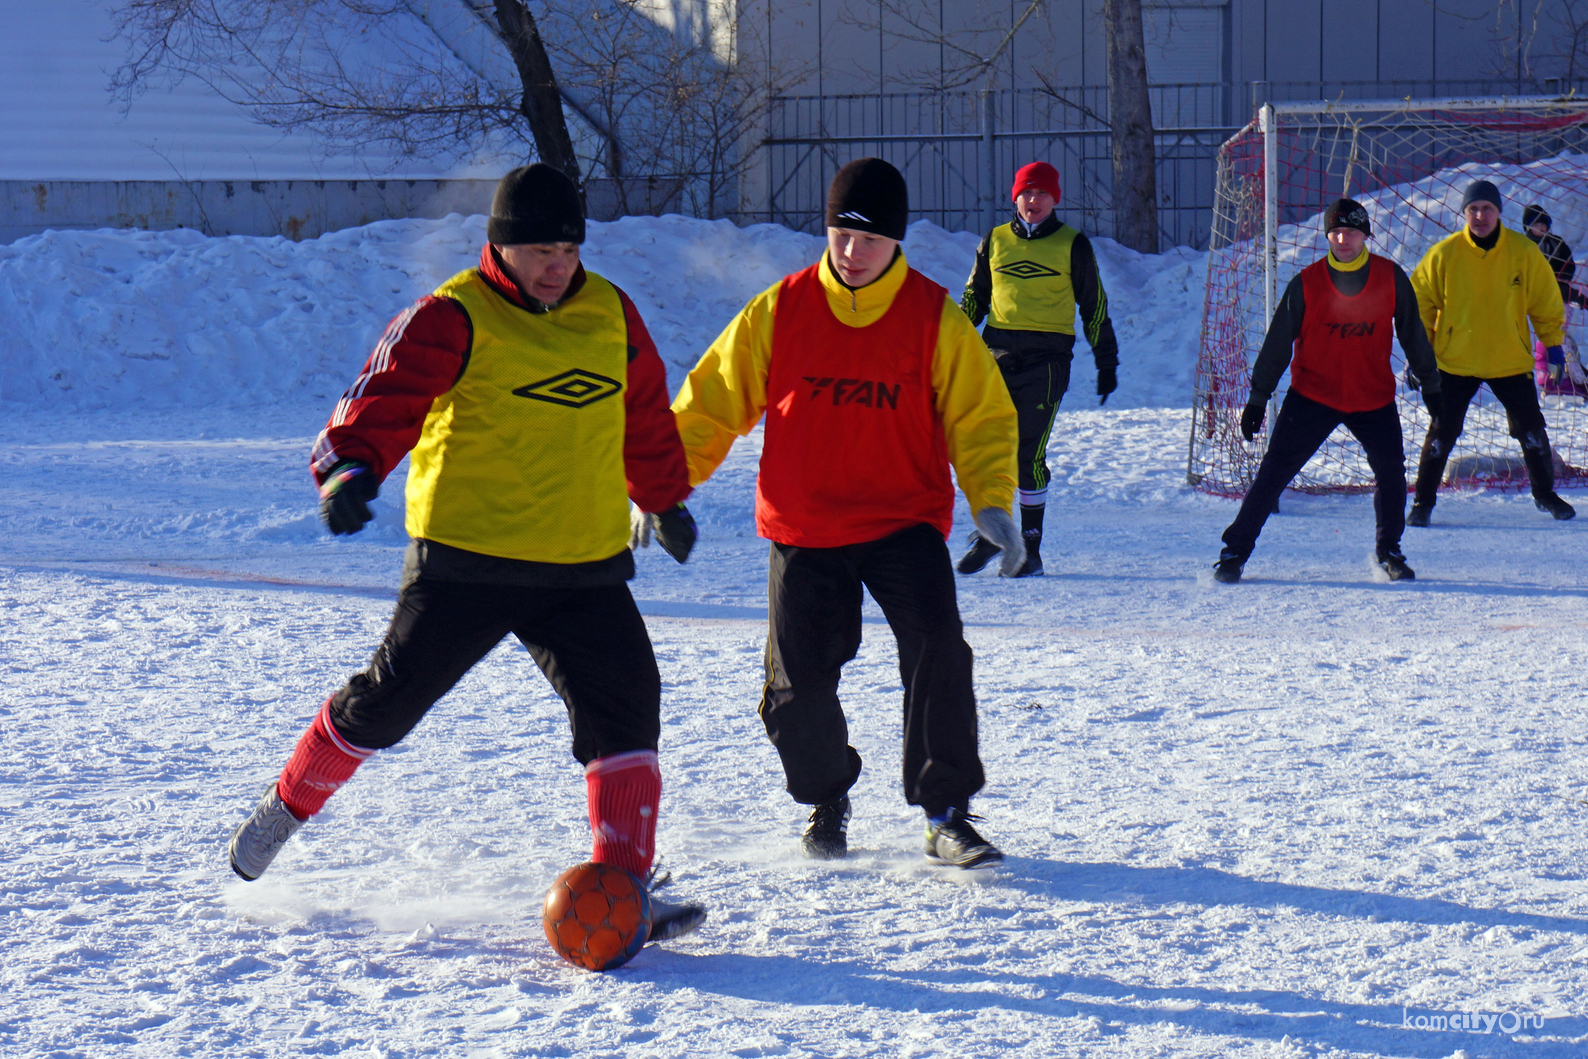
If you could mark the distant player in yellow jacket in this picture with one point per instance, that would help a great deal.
(873, 384)
(1478, 290)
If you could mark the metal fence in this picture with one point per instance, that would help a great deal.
(959, 150)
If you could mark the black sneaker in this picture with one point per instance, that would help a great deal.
(1228, 569)
(1418, 515)
(1032, 567)
(1394, 564)
(981, 553)
(826, 835)
(669, 921)
(1552, 504)
(956, 842)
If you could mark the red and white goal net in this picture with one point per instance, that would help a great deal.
(1408, 162)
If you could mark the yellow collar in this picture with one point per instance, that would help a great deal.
(1351, 266)
(863, 306)
(1472, 244)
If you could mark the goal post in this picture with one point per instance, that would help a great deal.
(1409, 162)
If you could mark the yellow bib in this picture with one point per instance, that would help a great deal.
(1031, 288)
(523, 457)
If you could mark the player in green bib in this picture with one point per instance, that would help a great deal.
(1032, 275)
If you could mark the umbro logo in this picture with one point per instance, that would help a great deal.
(571, 389)
(1027, 270)
(855, 391)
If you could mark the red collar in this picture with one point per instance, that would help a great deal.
(497, 279)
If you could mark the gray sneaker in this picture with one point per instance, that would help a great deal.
(258, 839)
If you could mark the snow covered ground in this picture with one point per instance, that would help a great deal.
(1314, 814)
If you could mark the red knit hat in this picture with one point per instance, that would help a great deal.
(1037, 175)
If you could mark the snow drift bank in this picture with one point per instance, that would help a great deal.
(119, 319)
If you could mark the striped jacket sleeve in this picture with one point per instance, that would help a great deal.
(1092, 301)
(419, 357)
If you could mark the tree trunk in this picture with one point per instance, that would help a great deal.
(1130, 115)
(542, 103)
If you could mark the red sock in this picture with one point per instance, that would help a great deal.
(624, 791)
(322, 762)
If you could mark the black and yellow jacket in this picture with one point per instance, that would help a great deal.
(1029, 282)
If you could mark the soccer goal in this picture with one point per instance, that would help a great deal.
(1408, 161)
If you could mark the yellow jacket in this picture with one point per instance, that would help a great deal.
(1476, 304)
(725, 394)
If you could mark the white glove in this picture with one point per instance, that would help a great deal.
(639, 528)
(997, 526)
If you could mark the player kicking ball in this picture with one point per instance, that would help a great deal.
(873, 383)
(1332, 330)
(535, 406)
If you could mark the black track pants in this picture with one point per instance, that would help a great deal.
(1300, 428)
(1036, 392)
(813, 597)
(590, 642)
(1516, 394)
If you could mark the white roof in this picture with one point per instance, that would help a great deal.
(59, 122)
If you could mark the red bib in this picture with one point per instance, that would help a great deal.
(854, 449)
(1342, 356)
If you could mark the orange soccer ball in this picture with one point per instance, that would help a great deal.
(597, 916)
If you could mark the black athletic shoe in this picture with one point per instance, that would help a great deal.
(1394, 564)
(1228, 569)
(826, 835)
(669, 921)
(981, 553)
(956, 842)
(1552, 504)
(1418, 515)
(1032, 567)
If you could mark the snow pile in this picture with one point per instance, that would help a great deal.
(99, 319)
(1409, 218)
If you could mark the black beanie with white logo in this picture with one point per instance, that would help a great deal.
(1347, 213)
(535, 204)
(869, 195)
(1481, 191)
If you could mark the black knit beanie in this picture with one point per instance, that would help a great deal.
(1347, 213)
(869, 195)
(1535, 214)
(1481, 191)
(535, 204)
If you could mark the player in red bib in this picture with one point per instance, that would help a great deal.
(873, 383)
(1332, 329)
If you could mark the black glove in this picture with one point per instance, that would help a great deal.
(345, 497)
(1413, 383)
(1252, 418)
(674, 529)
(1107, 383)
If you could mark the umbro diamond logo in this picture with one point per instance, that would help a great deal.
(851, 215)
(1027, 270)
(571, 389)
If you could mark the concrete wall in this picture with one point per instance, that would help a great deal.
(297, 209)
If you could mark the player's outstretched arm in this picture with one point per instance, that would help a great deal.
(420, 356)
(724, 395)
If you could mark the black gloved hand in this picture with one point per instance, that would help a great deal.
(1107, 383)
(345, 497)
(1252, 418)
(674, 529)
(1413, 383)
